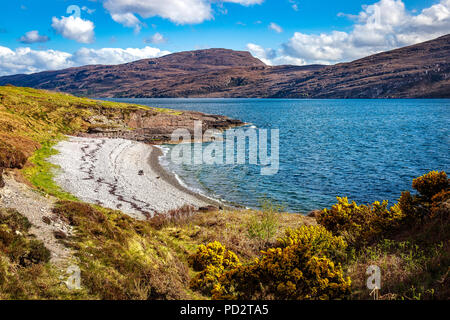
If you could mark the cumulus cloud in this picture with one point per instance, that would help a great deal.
(263, 54)
(128, 20)
(272, 57)
(273, 26)
(177, 11)
(157, 38)
(74, 28)
(26, 60)
(382, 26)
(86, 56)
(33, 37)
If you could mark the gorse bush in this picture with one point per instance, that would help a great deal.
(321, 242)
(360, 224)
(302, 268)
(433, 189)
(211, 260)
(431, 183)
(213, 254)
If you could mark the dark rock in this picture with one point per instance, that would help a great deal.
(46, 220)
(208, 209)
(60, 234)
(2, 182)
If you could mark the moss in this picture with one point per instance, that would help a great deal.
(41, 172)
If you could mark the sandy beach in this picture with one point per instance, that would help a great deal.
(121, 174)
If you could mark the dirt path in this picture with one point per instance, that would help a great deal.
(38, 210)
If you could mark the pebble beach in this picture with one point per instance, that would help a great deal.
(121, 174)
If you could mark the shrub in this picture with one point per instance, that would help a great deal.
(360, 223)
(215, 254)
(431, 183)
(14, 220)
(10, 157)
(14, 240)
(302, 268)
(178, 216)
(120, 257)
(35, 253)
(321, 242)
(264, 224)
(75, 213)
(211, 260)
(433, 192)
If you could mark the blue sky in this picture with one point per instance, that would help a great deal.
(41, 35)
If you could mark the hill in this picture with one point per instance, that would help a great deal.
(418, 71)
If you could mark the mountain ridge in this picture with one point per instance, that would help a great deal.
(417, 71)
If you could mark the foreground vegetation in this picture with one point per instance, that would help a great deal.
(409, 242)
(215, 255)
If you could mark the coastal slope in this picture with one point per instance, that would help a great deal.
(418, 71)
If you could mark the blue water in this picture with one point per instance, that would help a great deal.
(367, 150)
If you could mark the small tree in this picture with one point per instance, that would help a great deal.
(264, 224)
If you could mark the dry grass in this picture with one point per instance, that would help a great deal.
(122, 258)
(414, 263)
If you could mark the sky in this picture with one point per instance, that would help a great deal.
(56, 34)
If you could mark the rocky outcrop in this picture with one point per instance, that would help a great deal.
(154, 127)
(419, 71)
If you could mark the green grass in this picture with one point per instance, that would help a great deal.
(41, 174)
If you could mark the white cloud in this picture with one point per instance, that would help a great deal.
(265, 55)
(177, 11)
(157, 38)
(382, 26)
(26, 60)
(86, 56)
(128, 20)
(74, 28)
(88, 10)
(273, 26)
(272, 57)
(33, 37)
(294, 5)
